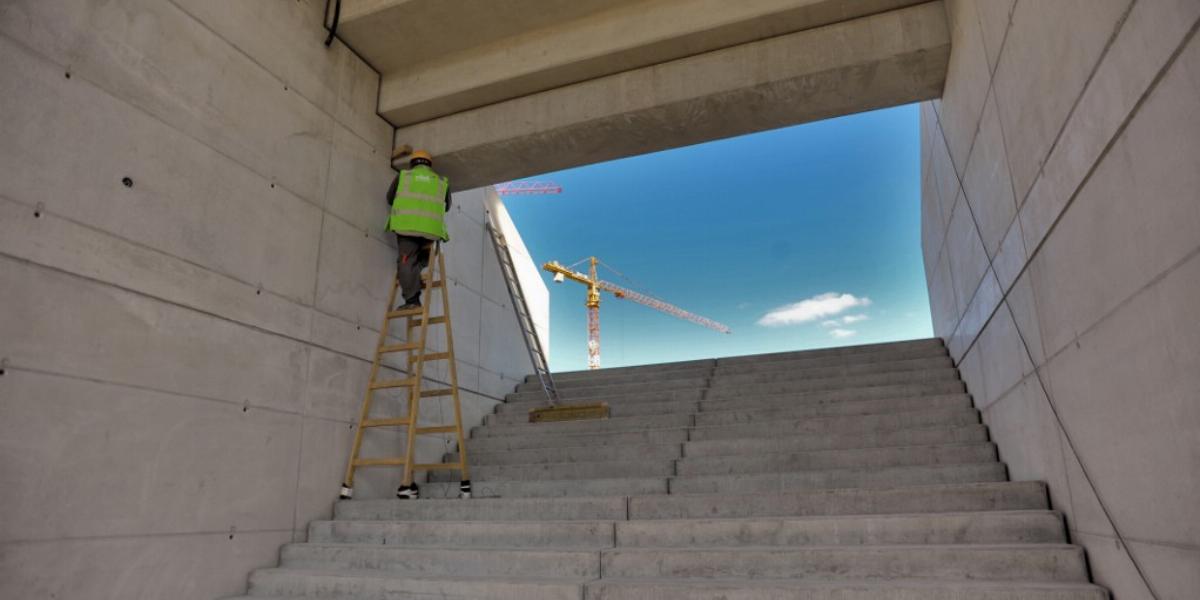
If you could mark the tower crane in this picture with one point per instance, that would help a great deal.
(595, 284)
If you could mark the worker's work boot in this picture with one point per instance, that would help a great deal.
(408, 492)
(464, 489)
(410, 305)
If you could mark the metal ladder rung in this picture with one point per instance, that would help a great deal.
(391, 461)
(432, 321)
(437, 429)
(432, 393)
(393, 383)
(398, 347)
(386, 422)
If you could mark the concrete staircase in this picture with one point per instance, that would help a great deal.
(849, 473)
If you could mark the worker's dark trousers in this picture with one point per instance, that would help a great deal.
(412, 258)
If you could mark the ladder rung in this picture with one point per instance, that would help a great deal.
(441, 392)
(408, 312)
(386, 422)
(438, 283)
(432, 321)
(436, 356)
(437, 429)
(398, 347)
(438, 467)
(393, 383)
(390, 461)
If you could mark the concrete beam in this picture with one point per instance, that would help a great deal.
(872, 62)
(624, 36)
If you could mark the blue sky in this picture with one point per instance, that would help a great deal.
(802, 237)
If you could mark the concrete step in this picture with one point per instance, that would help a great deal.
(925, 376)
(347, 585)
(550, 488)
(691, 388)
(996, 527)
(860, 407)
(1019, 562)
(477, 509)
(564, 470)
(931, 345)
(619, 385)
(1022, 495)
(785, 444)
(789, 372)
(639, 423)
(572, 454)
(671, 435)
(975, 452)
(740, 483)
(476, 534)
(633, 370)
(952, 417)
(799, 401)
(441, 562)
(891, 589)
(873, 477)
(519, 413)
(800, 362)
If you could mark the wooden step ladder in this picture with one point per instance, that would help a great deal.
(418, 320)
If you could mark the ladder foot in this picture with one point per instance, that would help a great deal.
(464, 489)
(408, 492)
(346, 493)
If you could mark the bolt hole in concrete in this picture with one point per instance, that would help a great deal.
(67, 74)
(127, 182)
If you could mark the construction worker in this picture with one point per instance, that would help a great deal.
(419, 198)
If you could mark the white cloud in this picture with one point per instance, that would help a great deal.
(817, 307)
(842, 333)
(848, 319)
(830, 323)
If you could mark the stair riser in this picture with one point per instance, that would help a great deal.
(589, 426)
(812, 401)
(934, 499)
(573, 471)
(590, 395)
(838, 479)
(435, 562)
(634, 371)
(939, 376)
(585, 535)
(521, 414)
(565, 488)
(566, 509)
(573, 454)
(503, 443)
(932, 345)
(764, 590)
(283, 584)
(737, 417)
(979, 528)
(864, 424)
(621, 386)
(819, 442)
(1061, 564)
(776, 371)
(862, 361)
(914, 368)
(871, 457)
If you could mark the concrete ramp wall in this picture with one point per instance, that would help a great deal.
(1061, 221)
(192, 272)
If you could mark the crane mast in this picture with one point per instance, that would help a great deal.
(595, 285)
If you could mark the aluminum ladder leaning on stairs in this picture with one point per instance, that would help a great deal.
(541, 368)
(418, 320)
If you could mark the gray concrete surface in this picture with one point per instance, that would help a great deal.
(185, 356)
(781, 513)
(1059, 220)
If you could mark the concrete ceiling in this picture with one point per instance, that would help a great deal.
(495, 86)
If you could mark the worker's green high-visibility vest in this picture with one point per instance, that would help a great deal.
(419, 208)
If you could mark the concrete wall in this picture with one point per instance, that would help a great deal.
(1061, 231)
(184, 356)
